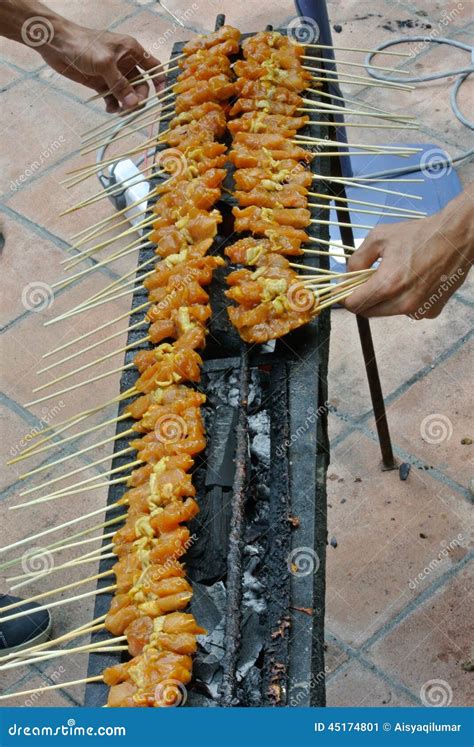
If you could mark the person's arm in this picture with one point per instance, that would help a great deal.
(423, 262)
(98, 59)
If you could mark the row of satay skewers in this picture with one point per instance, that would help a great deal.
(272, 189)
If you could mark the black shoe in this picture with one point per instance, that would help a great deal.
(23, 632)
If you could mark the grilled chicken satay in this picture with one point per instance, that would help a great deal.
(272, 178)
(245, 158)
(250, 250)
(260, 103)
(218, 88)
(263, 89)
(260, 121)
(272, 278)
(269, 72)
(290, 196)
(269, 320)
(208, 41)
(174, 632)
(245, 217)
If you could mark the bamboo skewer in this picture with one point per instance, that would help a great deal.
(349, 183)
(140, 78)
(60, 603)
(356, 64)
(152, 104)
(393, 126)
(92, 555)
(82, 681)
(73, 490)
(62, 543)
(328, 108)
(89, 627)
(58, 590)
(90, 347)
(115, 119)
(99, 556)
(337, 198)
(76, 453)
(113, 189)
(84, 367)
(80, 256)
(360, 210)
(327, 141)
(366, 80)
(75, 419)
(79, 385)
(352, 49)
(95, 648)
(50, 530)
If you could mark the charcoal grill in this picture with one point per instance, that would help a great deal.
(257, 557)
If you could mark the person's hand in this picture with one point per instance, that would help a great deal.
(423, 262)
(102, 60)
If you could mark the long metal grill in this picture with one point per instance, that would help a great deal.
(261, 491)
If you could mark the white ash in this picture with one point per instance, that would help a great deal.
(259, 428)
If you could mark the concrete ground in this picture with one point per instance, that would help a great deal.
(398, 577)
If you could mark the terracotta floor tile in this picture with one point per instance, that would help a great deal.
(357, 686)
(46, 128)
(20, 55)
(52, 698)
(7, 75)
(433, 643)
(90, 13)
(434, 415)
(25, 343)
(447, 15)
(34, 202)
(25, 258)
(334, 657)
(403, 347)
(386, 532)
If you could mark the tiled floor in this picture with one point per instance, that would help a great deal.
(398, 591)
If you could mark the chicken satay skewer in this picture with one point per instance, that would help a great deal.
(140, 116)
(66, 458)
(353, 64)
(98, 555)
(58, 590)
(143, 78)
(380, 213)
(89, 627)
(80, 256)
(345, 99)
(323, 123)
(33, 691)
(100, 647)
(123, 349)
(332, 76)
(115, 119)
(327, 141)
(114, 189)
(337, 198)
(60, 603)
(351, 49)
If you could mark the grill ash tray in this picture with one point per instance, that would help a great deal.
(278, 658)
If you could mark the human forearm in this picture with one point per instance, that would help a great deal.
(96, 58)
(423, 262)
